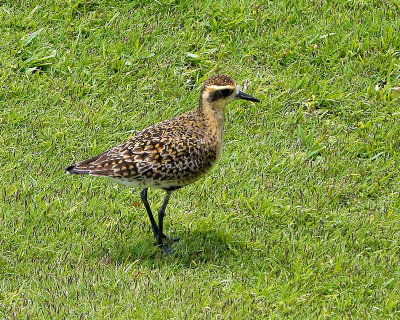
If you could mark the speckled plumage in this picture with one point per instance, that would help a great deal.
(218, 80)
(171, 153)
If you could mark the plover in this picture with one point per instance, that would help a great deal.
(172, 153)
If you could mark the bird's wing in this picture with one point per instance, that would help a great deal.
(158, 152)
(122, 161)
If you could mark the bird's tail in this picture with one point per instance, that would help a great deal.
(74, 169)
(83, 167)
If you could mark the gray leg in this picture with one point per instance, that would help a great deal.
(161, 214)
(143, 195)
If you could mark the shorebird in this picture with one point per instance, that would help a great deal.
(172, 153)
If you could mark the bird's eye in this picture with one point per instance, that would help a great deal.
(226, 92)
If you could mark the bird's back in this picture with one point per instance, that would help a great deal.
(169, 154)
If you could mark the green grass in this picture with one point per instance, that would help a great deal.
(299, 220)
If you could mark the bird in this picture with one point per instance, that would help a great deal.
(172, 153)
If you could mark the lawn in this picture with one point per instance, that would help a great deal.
(300, 219)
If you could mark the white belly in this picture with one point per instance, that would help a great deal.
(144, 183)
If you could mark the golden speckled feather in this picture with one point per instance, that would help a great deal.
(171, 153)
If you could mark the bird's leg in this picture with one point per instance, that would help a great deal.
(161, 214)
(143, 195)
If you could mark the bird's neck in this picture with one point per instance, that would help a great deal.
(214, 115)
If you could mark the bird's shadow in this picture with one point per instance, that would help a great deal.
(194, 246)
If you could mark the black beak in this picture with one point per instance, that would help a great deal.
(245, 96)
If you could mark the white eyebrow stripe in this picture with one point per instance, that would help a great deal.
(221, 87)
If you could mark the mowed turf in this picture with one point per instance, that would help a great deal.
(299, 220)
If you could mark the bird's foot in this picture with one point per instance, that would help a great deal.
(166, 238)
(167, 251)
(155, 234)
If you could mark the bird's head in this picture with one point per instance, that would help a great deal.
(218, 90)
